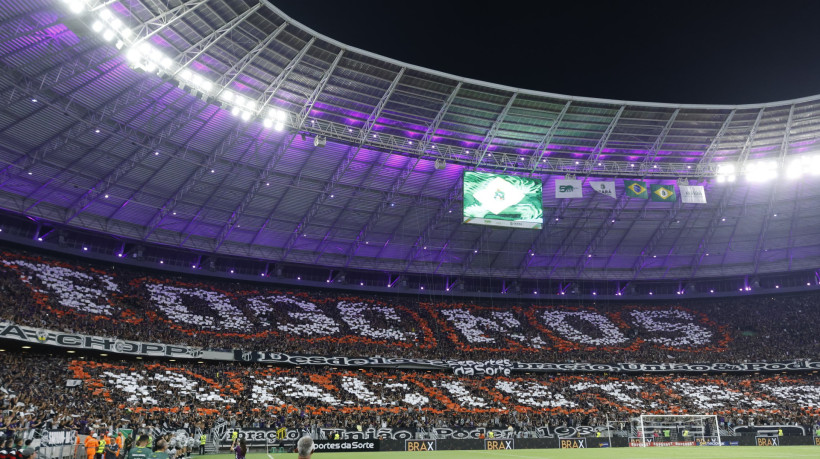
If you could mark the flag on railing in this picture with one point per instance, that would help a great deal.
(605, 188)
(662, 193)
(635, 189)
(692, 194)
(568, 188)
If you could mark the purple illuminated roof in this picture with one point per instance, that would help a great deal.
(126, 152)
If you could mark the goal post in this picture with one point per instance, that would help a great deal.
(675, 430)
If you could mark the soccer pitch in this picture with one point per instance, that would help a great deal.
(693, 452)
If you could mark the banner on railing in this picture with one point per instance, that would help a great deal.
(88, 342)
(503, 367)
(35, 335)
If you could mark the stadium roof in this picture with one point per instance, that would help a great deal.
(194, 124)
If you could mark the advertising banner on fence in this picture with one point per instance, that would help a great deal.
(340, 446)
(572, 443)
(767, 441)
(496, 445)
(420, 445)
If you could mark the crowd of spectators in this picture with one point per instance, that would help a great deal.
(128, 303)
(105, 393)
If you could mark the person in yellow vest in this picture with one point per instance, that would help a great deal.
(779, 432)
(598, 434)
(491, 434)
(202, 440)
(685, 433)
(101, 446)
(336, 436)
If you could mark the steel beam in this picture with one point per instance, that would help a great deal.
(100, 119)
(127, 165)
(185, 58)
(540, 149)
(270, 92)
(781, 163)
(164, 20)
(237, 69)
(485, 145)
(724, 201)
(620, 204)
(527, 258)
(221, 188)
(228, 142)
(445, 209)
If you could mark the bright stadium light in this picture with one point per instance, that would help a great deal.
(803, 165)
(761, 171)
(725, 173)
(75, 6)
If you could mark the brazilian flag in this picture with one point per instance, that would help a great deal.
(636, 189)
(663, 193)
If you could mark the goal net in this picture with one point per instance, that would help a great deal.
(675, 430)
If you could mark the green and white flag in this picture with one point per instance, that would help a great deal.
(636, 189)
(605, 188)
(663, 193)
(568, 188)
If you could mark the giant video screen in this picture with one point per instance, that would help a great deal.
(503, 200)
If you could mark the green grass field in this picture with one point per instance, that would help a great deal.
(694, 452)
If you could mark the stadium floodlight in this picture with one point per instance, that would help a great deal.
(800, 165)
(725, 173)
(761, 171)
(166, 62)
(97, 26)
(227, 95)
(75, 6)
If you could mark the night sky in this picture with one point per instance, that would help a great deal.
(718, 52)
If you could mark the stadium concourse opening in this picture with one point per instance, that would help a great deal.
(224, 233)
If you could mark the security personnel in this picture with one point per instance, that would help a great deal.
(150, 442)
(817, 432)
(91, 444)
(234, 435)
(685, 433)
(120, 440)
(779, 432)
(598, 434)
(100, 447)
(202, 439)
(666, 433)
(336, 436)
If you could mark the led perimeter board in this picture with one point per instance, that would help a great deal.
(502, 200)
